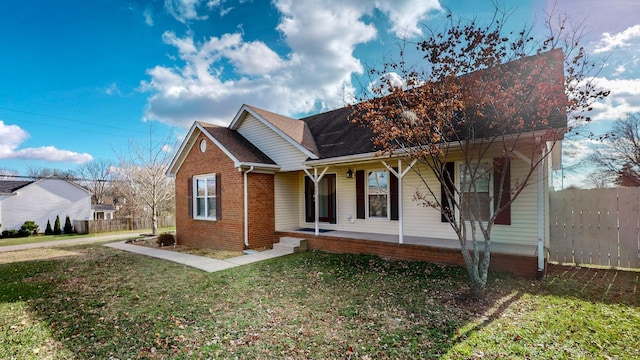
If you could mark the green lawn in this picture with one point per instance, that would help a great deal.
(94, 302)
(46, 238)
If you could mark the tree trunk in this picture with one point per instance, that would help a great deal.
(154, 224)
(476, 269)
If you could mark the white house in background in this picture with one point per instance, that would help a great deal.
(102, 212)
(42, 200)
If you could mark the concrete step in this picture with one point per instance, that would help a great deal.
(291, 244)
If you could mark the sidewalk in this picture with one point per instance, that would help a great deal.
(74, 241)
(199, 262)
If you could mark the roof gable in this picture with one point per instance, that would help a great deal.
(11, 186)
(294, 131)
(240, 148)
(230, 142)
(55, 177)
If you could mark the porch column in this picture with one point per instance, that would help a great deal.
(400, 174)
(316, 207)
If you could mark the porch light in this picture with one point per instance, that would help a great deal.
(349, 173)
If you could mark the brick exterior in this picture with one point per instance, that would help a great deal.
(526, 266)
(228, 232)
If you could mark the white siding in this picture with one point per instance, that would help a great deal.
(424, 221)
(524, 211)
(286, 200)
(44, 200)
(278, 149)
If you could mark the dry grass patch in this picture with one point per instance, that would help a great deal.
(103, 303)
(210, 253)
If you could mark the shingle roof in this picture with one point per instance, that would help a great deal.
(235, 143)
(9, 186)
(336, 136)
(295, 129)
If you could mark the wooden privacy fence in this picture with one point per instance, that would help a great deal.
(599, 227)
(99, 226)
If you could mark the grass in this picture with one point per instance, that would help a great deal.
(46, 238)
(94, 302)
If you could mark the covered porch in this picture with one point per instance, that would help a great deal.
(513, 258)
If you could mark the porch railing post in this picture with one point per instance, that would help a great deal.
(400, 225)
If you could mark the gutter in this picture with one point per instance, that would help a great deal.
(246, 207)
(541, 220)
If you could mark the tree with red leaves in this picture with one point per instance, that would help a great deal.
(484, 99)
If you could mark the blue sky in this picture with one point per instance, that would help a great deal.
(80, 79)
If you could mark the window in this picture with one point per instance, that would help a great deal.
(205, 194)
(476, 201)
(378, 193)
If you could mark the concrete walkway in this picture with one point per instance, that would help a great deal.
(74, 241)
(199, 262)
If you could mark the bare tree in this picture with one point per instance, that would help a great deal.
(482, 100)
(7, 173)
(97, 176)
(142, 179)
(37, 173)
(600, 179)
(620, 156)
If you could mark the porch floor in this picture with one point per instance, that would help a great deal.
(496, 247)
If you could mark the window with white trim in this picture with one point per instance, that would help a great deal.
(204, 194)
(378, 194)
(476, 200)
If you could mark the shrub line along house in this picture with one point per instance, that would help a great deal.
(266, 176)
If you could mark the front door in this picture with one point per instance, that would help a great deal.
(326, 199)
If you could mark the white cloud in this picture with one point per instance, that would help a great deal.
(381, 85)
(184, 10)
(167, 148)
(405, 16)
(624, 98)
(223, 72)
(113, 89)
(619, 40)
(148, 16)
(11, 136)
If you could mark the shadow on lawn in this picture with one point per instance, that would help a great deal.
(104, 303)
(610, 286)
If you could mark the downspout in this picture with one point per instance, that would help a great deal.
(540, 273)
(246, 208)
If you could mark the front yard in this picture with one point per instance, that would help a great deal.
(94, 302)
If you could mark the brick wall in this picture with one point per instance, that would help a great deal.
(261, 212)
(516, 264)
(228, 232)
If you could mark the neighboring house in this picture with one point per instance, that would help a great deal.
(42, 200)
(102, 212)
(246, 185)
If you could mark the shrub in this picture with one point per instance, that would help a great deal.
(13, 233)
(56, 226)
(68, 228)
(166, 239)
(48, 230)
(30, 227)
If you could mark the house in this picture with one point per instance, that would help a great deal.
(102, 212)
(42, 200)
(266, 176)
